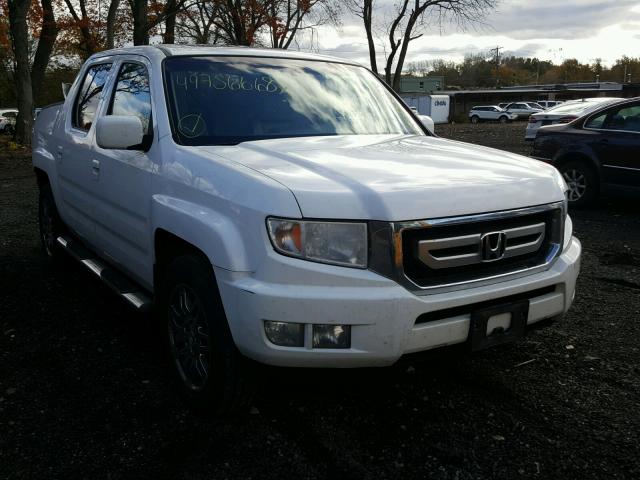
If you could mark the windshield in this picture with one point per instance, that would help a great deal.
(224, 101)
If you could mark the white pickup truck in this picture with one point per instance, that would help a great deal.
(290, 209)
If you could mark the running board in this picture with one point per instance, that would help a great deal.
(115, 280)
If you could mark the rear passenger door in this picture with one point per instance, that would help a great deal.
(123, 196)
(76, 183)
(617, 143)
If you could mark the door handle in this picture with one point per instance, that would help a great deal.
(95, 168)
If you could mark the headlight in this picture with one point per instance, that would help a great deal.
(337, 243)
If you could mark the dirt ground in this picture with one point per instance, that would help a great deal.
(83, 391)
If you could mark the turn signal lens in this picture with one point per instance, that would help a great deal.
(337, 243)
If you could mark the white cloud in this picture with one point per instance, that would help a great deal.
(549, 29)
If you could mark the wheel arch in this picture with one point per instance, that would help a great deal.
(180, 226)
(578, 156)
(167, 246)
(42, 178)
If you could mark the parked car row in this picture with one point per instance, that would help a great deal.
(504, 112)
(599, 146)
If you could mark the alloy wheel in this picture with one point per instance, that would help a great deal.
(189, 337)
(577, 183)
(47, 228)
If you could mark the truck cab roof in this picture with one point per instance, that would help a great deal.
(160, 51)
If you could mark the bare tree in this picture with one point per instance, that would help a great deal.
(18, 29)
(83, 21)
(197, 22)
(289, 17)
(409, 20)
(239, 21)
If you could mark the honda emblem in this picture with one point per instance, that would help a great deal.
(493, 246)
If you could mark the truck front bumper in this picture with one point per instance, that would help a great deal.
(382, 314)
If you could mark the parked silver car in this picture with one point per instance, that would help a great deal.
(490, 113)
(524, 109)
(564, 113)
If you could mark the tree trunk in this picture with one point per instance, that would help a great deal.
(18, 10)
(139, 10)
(48, 34)
(111, 23)
(403, 54)
(170, 23)
(367, 10)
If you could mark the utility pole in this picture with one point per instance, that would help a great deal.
(497, 49)
(624, 78)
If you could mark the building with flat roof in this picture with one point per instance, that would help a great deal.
(426, 84)
(463, 100)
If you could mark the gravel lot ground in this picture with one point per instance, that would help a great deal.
(83, 392)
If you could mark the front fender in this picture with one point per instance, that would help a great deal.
(212, 232)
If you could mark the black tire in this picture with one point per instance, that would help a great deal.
(503, 119)
(50, 225)
(475, 119)
(582, 181)
(209, 371)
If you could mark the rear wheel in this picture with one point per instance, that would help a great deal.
(475, 119)
(210, 373)
(51, 226)
(582, 182)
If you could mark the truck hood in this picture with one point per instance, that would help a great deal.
(394, 178)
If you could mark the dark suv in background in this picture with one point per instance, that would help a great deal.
(601, 147)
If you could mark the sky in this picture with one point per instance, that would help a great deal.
(548, 29)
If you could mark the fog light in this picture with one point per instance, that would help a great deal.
(332, 336)
(285, 334)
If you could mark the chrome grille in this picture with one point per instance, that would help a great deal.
(444, 254)
(471, 249)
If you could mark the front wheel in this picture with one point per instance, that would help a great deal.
(503, 119)
(210, 373)
(582, 182)
(475, 119)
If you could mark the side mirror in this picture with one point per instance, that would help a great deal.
(65, 89)
(119, 132)
(427, 122)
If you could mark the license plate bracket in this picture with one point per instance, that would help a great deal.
(478, 338)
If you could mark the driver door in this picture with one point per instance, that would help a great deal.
(123, 196)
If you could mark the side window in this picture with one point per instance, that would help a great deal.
(625, 118)
(88, 97)
(597, 121)
(132, 96)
